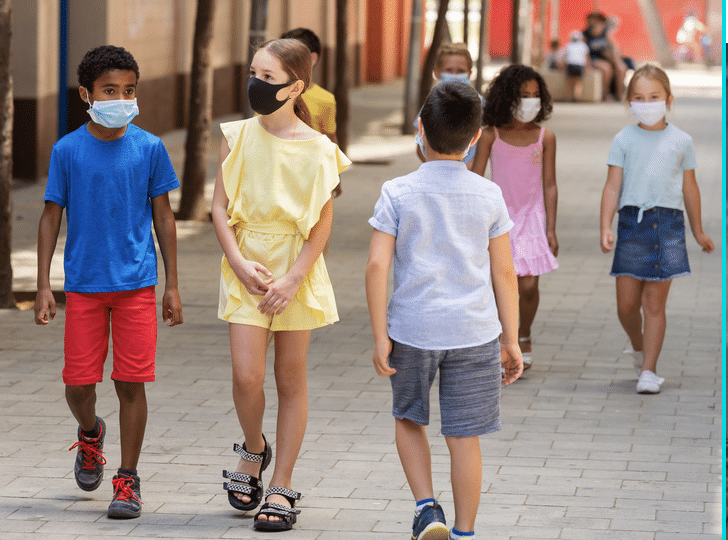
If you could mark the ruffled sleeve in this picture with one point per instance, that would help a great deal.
(333, 162)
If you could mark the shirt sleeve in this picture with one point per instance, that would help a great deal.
(328, 118)
(163, 177)
(689, 162)
(57, 186)
(502, 222)
(616, 153)
(385, 216)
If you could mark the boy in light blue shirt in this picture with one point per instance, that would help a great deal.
(446, 229)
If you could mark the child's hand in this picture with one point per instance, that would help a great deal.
(279, 294)
(607, 242)
(45, 307)
(381, 358)
(172, 307)
(512, 361)
(250, 278)
(553, 243)
(705, 242)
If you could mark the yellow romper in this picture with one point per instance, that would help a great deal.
(276, 189)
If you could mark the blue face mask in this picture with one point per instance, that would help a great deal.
(455, 77)
(115, 113)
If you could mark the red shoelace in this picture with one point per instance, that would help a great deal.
(122, 488)
(91, 452)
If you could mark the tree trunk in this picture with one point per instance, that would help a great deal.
(6, 154)
(256, 37)
(192, 205)
(341, 86)
(515, 45)
(657, 32)
(437, 38)
(413, 68)
(483, 41)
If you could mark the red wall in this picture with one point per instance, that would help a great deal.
(632, 35)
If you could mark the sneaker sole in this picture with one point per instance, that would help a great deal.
(434, 531)
(90, 487)
(123, 513)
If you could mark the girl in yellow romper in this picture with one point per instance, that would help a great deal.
(272, 213)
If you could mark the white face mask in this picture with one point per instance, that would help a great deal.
(648, 113)
(527, 110)
(455, 77)
(114, 113)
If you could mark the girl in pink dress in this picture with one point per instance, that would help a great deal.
(523, 163)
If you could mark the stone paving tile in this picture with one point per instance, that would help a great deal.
(580, 454)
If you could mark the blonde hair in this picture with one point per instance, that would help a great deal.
(649, 71)
(297, 63)
(454, 49)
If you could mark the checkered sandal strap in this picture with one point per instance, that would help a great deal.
(278, 509)
(247, 456)
(289, 494)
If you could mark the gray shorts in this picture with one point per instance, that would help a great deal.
(470, 384)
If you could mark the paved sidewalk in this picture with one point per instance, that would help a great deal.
(581, 455)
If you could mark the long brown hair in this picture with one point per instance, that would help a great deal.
(295, 58)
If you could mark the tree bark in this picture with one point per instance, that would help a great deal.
(341, 85)
(437, 38)
(192, 204)
(413, 68)
(6, 155)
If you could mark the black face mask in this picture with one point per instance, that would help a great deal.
(262, 95)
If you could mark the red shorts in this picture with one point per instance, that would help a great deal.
(132, 315)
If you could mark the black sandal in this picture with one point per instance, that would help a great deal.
(245, 483)
(287, 515)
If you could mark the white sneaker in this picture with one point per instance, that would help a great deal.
(637, 359)
(649, 383)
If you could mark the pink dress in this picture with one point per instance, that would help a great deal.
(518, 172)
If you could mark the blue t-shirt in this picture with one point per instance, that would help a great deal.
(107, 189)
(653, 163)
(443, 217)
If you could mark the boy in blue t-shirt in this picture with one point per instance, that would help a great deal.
(113, 180)
(446, 229)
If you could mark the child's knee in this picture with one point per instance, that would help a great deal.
(80, 393)
(130, 391)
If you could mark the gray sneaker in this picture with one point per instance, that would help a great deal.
(127, 501)
(90, 461)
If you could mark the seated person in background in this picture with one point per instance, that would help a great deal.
(575, 58)
(604, 54)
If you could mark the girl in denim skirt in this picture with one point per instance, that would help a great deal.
(651, 180)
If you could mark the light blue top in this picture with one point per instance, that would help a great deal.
(443, 217)
(653, 163)
(107, 189)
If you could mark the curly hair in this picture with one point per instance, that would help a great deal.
(98, 61)
(503, 95)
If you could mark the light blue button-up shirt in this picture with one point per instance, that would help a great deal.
(653, 163)
(443, 217)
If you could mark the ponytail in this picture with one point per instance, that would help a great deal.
(301, 110)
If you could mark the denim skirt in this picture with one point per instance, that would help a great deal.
(653, 249)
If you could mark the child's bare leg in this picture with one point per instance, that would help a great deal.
(414, 453)
(248, 346)
(629, 301)
(466, 471)
(81, 400)
(528, 298)
(132, 421)
(291, 349)
(654, 300)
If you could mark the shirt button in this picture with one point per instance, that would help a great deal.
(657, 266)
(654, 225)
(657, 246)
